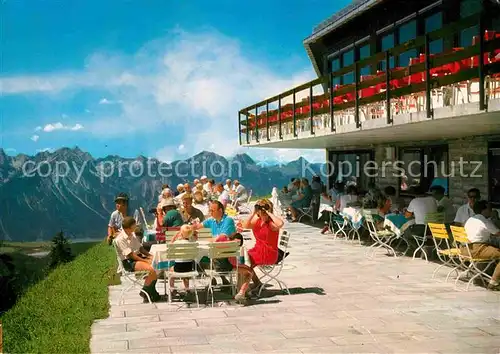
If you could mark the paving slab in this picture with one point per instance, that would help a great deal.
(341, 302)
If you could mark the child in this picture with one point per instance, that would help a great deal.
(184, 235)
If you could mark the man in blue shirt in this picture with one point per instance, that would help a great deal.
(219, 223)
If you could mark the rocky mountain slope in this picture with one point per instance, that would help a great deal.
(69, 190)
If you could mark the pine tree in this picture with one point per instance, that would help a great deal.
(61, 250)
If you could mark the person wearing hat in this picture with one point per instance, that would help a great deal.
(169, 214)
(116, 219)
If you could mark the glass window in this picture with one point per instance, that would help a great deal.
(348, 59)
(364, 52)
(433, 23)
(335, 67)
(387, 43)
(348, 168)
(468, 8)
(424, 167)
(407, 32)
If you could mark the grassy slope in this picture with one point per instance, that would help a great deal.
(55, 315)
(32, 247)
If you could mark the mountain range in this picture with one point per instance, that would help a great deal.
(69, 190)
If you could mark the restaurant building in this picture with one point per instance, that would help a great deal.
(407, 91)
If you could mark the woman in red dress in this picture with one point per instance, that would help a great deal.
(265, 226)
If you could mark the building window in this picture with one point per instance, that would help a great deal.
(494, 173)
(423, 168)
(364, 52)
(348, 59)
(407, 32)
(433, 23)
(351, 167)
(386, 43)
(469, 8)
(335, 67)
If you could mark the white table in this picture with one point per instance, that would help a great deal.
(398, 231)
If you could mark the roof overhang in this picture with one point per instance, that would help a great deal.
(341, 17)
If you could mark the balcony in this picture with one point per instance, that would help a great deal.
(442, 93)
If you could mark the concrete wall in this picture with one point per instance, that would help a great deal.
(474, 153)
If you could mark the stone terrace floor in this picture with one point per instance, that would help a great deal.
(341, 302)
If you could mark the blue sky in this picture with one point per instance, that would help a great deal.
(159, 78)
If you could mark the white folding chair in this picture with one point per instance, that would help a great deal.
(222, 250)
(381, 238)
(307, 211)
(246, 205)
(136, 279)
(273, 271)
(175, 251)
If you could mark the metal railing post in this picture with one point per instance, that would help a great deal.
(294, 115)
(356, 97)
(279, 118)
(330, 88)
(267, 120)
(256, 126)
(482, 100)
(428, 107)
(311, 115)
(388, 88)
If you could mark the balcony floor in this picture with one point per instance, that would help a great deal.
(448, 123)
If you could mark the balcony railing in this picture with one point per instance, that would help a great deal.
(427, 83)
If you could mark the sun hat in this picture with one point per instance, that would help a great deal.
(204, 177)
(121, 196)
(165, 202)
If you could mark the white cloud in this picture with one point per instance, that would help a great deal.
(10, 150)
(38, 128)
(193, 83)
(181, 147)
(35, 138)
(59, 126)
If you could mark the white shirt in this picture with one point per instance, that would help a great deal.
(202, 207)
(207, 188)
(346, 199)
(227, 188)
(224, 198)
(422, 206)
(241, 192)
(479, 229)
(449, 210)
(126, 244)
(464, 213)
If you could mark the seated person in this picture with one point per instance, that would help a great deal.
(483, 236)
(444, 204)
(223, 195)
(185, 235)
(466, 210)
(200, 203)
(265, 226)
(350, 198)
(240, 193)
(135, 258)
(189, 212)
(219, 223)
(397, 204)
(169, 215)
(304, 199)
(418, 208)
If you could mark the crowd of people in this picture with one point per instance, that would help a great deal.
(480, 221)
(180, 211)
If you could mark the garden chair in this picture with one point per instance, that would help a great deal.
(218, 251)
(460, 238)
(180, 251)
(271, 272)
(447, 252)
(136, 279)
(381, 238)
(435, 218)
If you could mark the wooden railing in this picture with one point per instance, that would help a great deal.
(425, 73)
